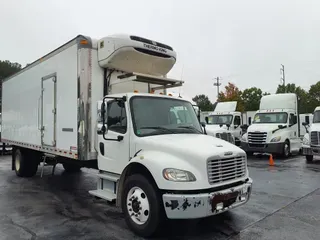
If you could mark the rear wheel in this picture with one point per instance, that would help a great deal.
(309, 158)
(141, 205)
(25, 165)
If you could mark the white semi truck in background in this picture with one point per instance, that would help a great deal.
(275, 128)
(90, 103)
(226, 123)
(311, 140)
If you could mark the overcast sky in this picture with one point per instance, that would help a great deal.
(241, 41)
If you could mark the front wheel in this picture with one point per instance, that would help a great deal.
(286, 149)
(141, 205)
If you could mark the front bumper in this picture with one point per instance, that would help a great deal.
(263, 148)
(189, 206)
(307, 150)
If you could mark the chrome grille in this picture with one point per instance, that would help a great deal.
(257, 137)
(314, 138)
(227, 169)
(225, 136)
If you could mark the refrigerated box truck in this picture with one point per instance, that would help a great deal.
(90, 103)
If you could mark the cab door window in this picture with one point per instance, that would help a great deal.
(237, 121)
(117, 117)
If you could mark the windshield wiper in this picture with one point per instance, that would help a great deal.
(191, 127)
(159, 128)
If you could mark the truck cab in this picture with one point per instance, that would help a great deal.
(275, 128)
(225, 122)
(311, 140)
(154, 159)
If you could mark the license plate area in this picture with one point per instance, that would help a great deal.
(224, 200)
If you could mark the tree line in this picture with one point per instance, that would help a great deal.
(249, 99)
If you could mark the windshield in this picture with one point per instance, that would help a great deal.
(155, 115)
(274, 117)
(316, 117)
(220, 119)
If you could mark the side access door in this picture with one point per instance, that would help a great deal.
(48, 110)
(114, 153)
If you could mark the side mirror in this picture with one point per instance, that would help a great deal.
(236, 126)
(203, 124)
(304, 124)
(228, 125)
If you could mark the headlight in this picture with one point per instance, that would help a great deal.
(305, 141)
(276, 139)
(177, 175)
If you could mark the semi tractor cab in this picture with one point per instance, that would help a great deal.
(311, 140)
(91, 103)
(275, 128)
(225, 122)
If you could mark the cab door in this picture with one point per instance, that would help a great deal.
(294, 132)
(236, 126)
(114, 151)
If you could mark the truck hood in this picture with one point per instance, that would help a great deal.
(213, 129)
(314, 127)
(189, 146)
(262, 127)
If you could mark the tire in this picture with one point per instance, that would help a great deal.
(24, 163)
(146, 203)
(286, 149)
(71, 167)
(309, 158)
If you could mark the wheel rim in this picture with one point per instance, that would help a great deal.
(138, 205)
(286, 149)
(17, 162)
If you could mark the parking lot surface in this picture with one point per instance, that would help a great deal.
(284, 205)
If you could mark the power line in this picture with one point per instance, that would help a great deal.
(217, 84)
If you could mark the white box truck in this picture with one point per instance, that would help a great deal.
(90, 103)
(275, 128)
(311, 140)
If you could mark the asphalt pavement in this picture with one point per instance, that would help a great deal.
(285, 204)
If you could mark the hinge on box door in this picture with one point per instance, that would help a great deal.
(54, 111)
(54, 79)
(53, 143)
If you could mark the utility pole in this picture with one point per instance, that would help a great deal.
(217, 84)
(283, 78)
